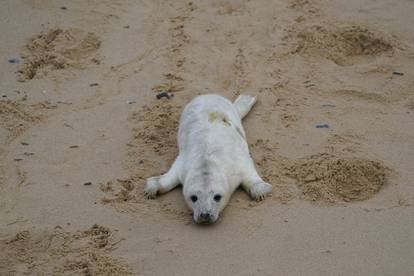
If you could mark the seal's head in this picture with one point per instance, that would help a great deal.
(206, 204)
(206, 198)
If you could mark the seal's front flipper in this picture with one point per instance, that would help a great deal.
(243, 104)
(152, 187)
(259, 190)
(164, 183)
(254, 185)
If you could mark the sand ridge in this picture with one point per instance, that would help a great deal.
(154, 131)
(61, 253)
(16, 117)
(325, 177)
(342, 45)
(58, 49)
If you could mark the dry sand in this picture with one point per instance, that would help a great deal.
(81, 128)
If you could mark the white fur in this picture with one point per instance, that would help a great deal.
(213, 156)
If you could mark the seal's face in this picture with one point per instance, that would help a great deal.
(206, 204)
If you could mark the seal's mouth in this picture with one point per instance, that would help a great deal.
(205, 218)
(204, 222)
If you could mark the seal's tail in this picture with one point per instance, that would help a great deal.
(243, 104)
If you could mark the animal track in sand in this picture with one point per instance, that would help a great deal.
(16, 118)
(126, 196)
(58, 49)
(352, 95)
(240, 72)
(157, 130)
(56, 252)
(330, 178)
(324, 177)
(179, 39)
(273, 167)
(152, 148)
(344, 45)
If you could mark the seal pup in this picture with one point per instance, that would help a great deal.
(213, 157)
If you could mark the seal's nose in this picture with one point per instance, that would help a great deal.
(205, 216)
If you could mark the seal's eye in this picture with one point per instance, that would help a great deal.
(217, 197)
(193, 198)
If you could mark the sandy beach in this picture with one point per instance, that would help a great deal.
(81, 128)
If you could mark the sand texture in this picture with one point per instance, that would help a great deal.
(91, 94)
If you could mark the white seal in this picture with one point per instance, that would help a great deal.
(213, 158)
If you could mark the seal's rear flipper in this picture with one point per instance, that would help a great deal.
(243, 104)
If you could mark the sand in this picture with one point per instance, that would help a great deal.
(61, 253)
(81, 128)
(57, 49)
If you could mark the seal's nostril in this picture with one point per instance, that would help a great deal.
(205, 216)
